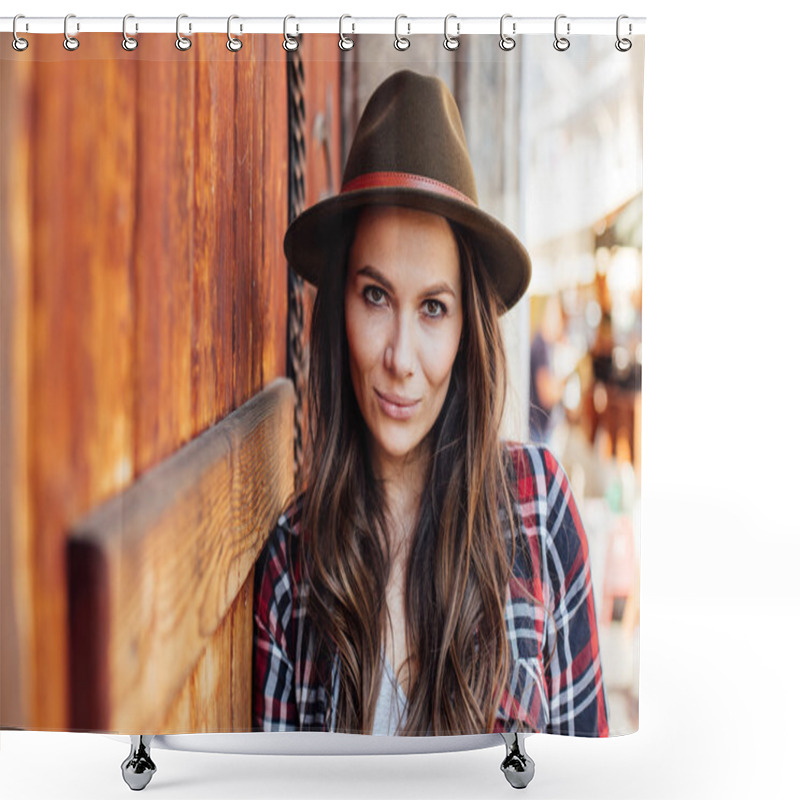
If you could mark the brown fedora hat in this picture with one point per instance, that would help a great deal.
(410, 150)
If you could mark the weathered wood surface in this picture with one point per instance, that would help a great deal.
(155, 570)
(218, 694)
(16, 599)
(148, 290)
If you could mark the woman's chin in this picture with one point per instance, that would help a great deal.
(396, 447)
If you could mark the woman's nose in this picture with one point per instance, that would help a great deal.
(399, 353)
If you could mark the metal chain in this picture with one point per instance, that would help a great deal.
(297, 362)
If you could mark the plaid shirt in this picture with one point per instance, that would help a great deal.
(555, 683)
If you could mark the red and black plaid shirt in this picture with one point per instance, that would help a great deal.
(555, 683)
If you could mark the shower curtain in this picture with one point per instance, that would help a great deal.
(156, 342)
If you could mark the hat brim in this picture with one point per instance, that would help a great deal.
(309, 239)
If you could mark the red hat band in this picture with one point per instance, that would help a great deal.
(404, 180)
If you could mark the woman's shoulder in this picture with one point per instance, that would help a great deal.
(533, 468)
(284, 536)
(289, 519)
(279, 554)
(546, 503)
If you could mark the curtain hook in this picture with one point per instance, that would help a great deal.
(128, 42)
(451, 42)
(182, 43)
(623, 45)
(507, 42)
(401, 42)
(18, 43)
(233, 44)
(561, 43)
(345, 42)
(70, 42)
(289, 42)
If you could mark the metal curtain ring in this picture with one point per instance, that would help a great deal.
(182, 43)
(451, 42)
(70, 42)
(561, 43)
(290, 44)
(18, 43)
(506, 42)
(401, 42)
(345, 43)
(623, 45)
(233, 44)
(128, 42)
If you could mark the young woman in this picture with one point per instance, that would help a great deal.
(430, 578)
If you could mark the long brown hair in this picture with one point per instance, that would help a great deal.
(458, 564)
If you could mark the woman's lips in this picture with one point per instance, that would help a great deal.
(396, 407)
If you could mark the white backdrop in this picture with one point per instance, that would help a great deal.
(720, 603)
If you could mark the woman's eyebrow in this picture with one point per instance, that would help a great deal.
(376, 275)
(438, 288)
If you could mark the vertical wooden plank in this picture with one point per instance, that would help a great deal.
(214, 109)
(216, 697)
(52, 338)
(322, 61)
(203, 704)
(162, 261)
(248, 81)
(271, 304)
(241, 658)
(261, 164)
(17, 587)
(80, 404)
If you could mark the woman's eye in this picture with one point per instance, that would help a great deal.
(374, 295)
(434, 308)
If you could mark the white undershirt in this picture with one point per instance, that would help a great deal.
(391, 706)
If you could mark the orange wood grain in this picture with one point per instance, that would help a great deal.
(212, 301)
(148, 301)
(17, 597)
(156, 568)
(163, 259)
(247, 206)
(260, 315)
(270, 292)
(81, 391)
(224, 673)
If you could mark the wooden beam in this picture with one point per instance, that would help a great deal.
(154, 570)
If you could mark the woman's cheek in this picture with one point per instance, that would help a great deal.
(439, 354)
(364, 338)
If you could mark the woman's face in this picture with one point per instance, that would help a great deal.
(403, 318)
